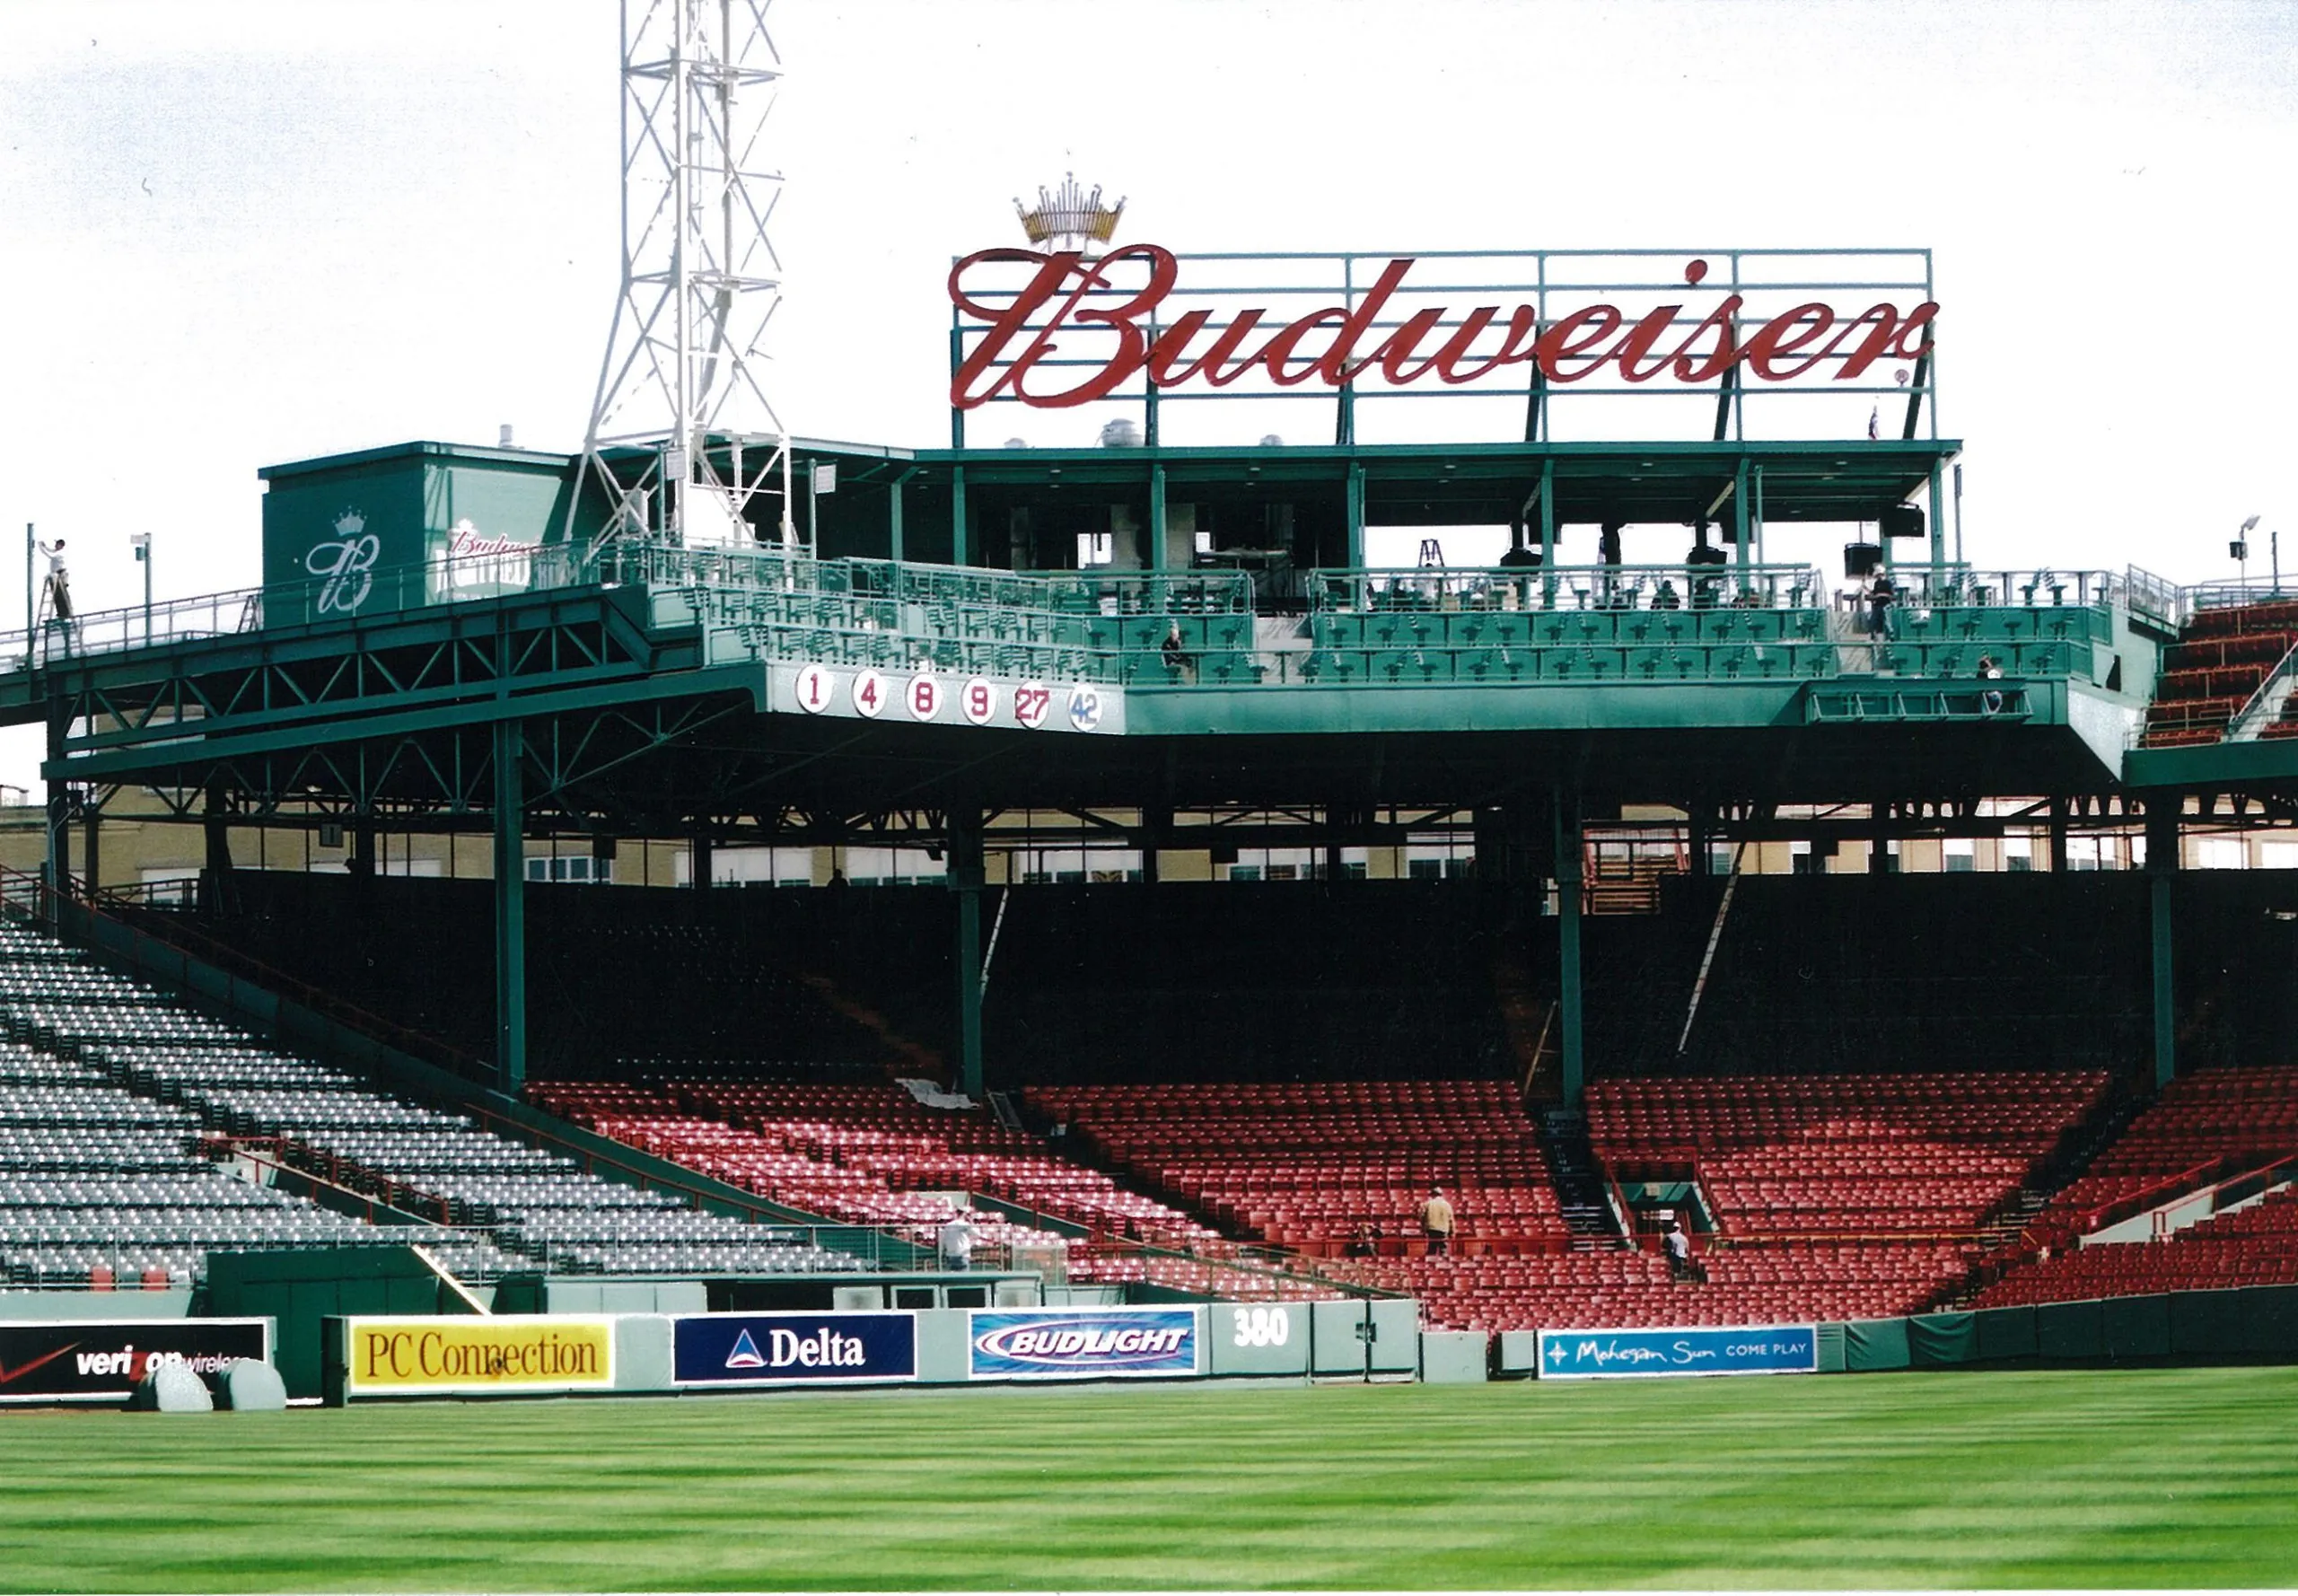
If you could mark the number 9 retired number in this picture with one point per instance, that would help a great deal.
(1262, 1327)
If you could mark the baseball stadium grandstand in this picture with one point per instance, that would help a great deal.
(723, 870)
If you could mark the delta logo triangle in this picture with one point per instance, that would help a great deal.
(745, 1355)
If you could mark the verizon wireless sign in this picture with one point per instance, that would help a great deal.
(104, 1359)
(1077, 330)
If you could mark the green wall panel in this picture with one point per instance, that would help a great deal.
(2135, 1327)
(2069, 1330)
(1830, 1348)
(1937, 1341)
(1873, 1344)
(2004, 1333)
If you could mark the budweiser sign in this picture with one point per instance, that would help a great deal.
(1067, 294)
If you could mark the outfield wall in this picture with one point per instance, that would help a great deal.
(387, 1354)
(2257, 1322)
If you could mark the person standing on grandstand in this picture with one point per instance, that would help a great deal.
(1436, 1222)
(1678, 1246)
(1878, 605)
(957, 1235)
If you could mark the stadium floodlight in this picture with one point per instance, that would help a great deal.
(700, 280)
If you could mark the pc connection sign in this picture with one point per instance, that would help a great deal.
(1632, 1355)
(1084, 1344)
(438, 1357)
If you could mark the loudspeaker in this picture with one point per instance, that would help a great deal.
(1860, 560)
(1902, 520)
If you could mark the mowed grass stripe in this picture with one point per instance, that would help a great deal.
(2160, 1477)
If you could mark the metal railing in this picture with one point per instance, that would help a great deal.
(1369, 589)
(348, 595)
(2152, 598)
(1952, 587)
(2235, 594)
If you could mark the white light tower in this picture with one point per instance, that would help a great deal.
(700, 280)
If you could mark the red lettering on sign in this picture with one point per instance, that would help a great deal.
(1021, 331)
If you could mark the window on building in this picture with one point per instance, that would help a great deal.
(2278, 856)
(2018, 852)
(1957, 855)
(572, 868)
(2221, 852)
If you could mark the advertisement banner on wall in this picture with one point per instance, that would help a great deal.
(103, 1360)
(1084, 1344)
(437, 1358)
(1645, 1354)
(792, 1348)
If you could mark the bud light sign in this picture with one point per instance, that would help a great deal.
(1614, 1354)
(792, 1348)
(1084, 1344)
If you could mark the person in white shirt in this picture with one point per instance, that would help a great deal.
(1678, 1246)
(58, 595)
(957, 1233)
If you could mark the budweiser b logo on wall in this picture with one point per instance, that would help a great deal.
(1056, 330)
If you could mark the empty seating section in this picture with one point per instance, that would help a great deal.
(2221, 659)
(2256, 1245)
(2245, 1114)
(874, 1154)
(1864, 1155)
(137, 1135)
(1090, 625)
(1468, 640)
(1784, 1283)
(1308, 1167)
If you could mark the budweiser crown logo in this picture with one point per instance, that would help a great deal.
(1070, 212)
(350, 524)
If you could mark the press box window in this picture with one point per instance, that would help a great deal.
(579, 868)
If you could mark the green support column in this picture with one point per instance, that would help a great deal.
(2162, 865)
(510, 908)
(56, 853)
(91, 828)
(1744, 537)
(1547, 532)
(1938, 527)
(1356, 515)
(1567, 893)
(966, 875)
(1152, 556)
(893, 516)
(960, 541)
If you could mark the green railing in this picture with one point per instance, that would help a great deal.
(1577, 588)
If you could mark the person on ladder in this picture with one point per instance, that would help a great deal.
(56, 594)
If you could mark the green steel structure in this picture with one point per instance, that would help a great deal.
(510, 679)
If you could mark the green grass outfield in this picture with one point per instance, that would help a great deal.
(2182, 1477)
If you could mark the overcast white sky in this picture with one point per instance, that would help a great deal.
(242, 232)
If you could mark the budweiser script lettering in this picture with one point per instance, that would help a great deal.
(1067, 291)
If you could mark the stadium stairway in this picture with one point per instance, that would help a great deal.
(1583, 1192)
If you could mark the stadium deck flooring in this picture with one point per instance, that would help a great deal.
(2119, 1478)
